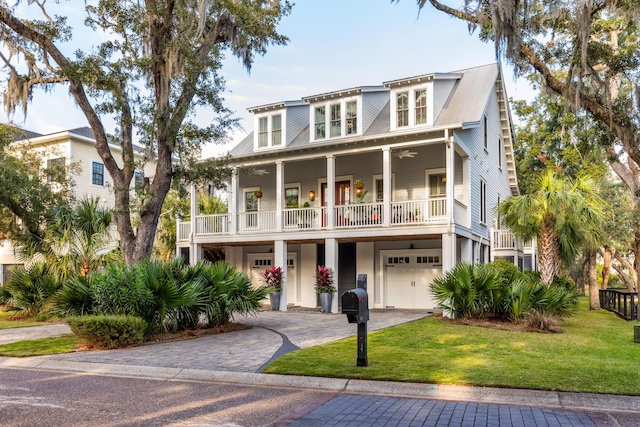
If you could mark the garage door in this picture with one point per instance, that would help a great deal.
(408, 276)
(258, 263)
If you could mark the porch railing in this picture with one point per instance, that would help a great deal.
(256, 221)
(418, 211)
(359, 215)
(504, 239)
(303, 218)
(212, 224)
(183, 231)
(621, 302)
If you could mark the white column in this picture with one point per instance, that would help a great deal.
(365, 265)
(466, 250)
(449, 251)
(331, 261)
(280, 260)
(331, 192)
(193, 256)
(451, 176)
(279, 193)
(386, 186)
(233, 202)
(307, 267)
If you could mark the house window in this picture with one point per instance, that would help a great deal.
(292, 197)
(352, 118)
(500, 152)
(335, 121)
(276, 130)
(97, 174)
(263, 132)
(402, 108)
(251, 207)
(55, 169)
(137, 181)
(379, 190)
(421, 107)
(486, 132)
(319, 121)
(483, 202)
(438, 185)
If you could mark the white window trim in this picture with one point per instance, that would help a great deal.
(500, 152)
(429, 172)
(343, 118)
(297, 185)
(412, 106)
(246, 190)
(283, 134)
(380, 176)
(485, 130)
(484, 205)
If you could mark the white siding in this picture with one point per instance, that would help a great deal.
(297, 120)
(372, 104)
(441, 91)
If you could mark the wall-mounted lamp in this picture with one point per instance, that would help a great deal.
(358, 191)
(312, 196)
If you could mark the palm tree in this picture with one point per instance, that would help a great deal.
(77, 241)
(564, 214)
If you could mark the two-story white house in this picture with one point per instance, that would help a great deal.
(89, 177)
(434, 153)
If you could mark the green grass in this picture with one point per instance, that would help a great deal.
(7, 322)
(40, 347)
(596, 354)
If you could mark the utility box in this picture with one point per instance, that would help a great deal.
(355, 304)
(636, 333)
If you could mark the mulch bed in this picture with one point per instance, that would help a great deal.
(495, 323)
(194, 333)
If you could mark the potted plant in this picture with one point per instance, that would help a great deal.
(273, 278)
(324, 287)
(359, 184)
(258, 194)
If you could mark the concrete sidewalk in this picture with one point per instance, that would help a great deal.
(235, 357)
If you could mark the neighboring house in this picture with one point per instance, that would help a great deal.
(434, 153)
(89, 177)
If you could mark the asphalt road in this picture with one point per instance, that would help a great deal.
(39, 398)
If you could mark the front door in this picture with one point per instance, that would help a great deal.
(343, 193)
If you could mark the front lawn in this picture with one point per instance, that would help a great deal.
(41, 346)
(595, 354)
(8, 321)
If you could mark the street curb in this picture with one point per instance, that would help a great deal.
(503, 396)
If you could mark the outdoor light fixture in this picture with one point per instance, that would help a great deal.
(312, 196)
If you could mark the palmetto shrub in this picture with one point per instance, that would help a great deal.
(29, 289)
(476, 291)
(166, 295)
(108, 331)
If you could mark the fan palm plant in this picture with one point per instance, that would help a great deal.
(29, 289)
(565, 215)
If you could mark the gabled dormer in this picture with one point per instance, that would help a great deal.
(276, 125)
(417, 101)
(344, 113)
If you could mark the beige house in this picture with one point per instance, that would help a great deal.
(89, 177)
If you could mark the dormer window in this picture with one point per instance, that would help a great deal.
(319, 121)
(402, 109)
(276, 130)
(263, 132)
(421, 106)
(270, 130)
(335, 121)
(352, 118)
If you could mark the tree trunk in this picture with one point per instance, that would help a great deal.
(594, 295)
(606, 267)
(549, 258)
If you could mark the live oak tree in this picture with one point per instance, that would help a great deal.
(587, 51)
(159, 63)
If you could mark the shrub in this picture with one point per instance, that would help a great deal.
(324, 280)
(468, 290)
(29, 290)
(75, 298)
(108, 331)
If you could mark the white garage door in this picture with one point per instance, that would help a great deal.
(408, 276)
(258, 263)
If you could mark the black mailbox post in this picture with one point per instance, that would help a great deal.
(355, 304)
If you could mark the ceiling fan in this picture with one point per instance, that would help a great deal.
(261, 172)
(401, 154)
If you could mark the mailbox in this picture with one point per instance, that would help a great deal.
(355, 304)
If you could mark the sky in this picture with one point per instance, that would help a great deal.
(333, 45)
